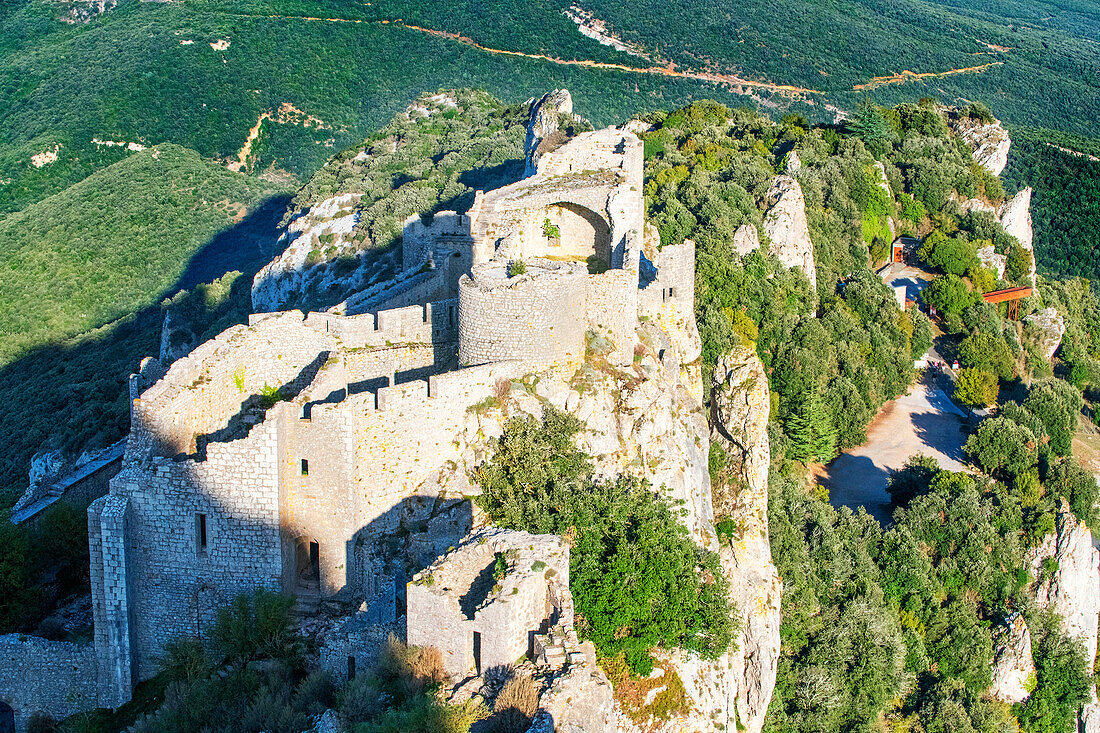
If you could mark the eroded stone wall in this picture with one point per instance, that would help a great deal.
(55, 677)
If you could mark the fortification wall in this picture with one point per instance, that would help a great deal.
(672, 292)
(402, 445)
(612, 310)
(176, 583)
(537, 318)
(443, 230)
(54, 677)
(111, 580)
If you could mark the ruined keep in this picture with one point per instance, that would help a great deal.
(295, 452)
(483, 604)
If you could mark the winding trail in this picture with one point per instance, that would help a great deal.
(669, 71)
(908, 76)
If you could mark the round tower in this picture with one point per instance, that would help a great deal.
(536, 314)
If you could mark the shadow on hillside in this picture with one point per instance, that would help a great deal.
(76, 393)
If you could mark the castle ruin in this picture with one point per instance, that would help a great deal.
(294, 453)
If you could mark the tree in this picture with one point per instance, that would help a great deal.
(1067, 478)
(1003, 448)
(811, 433)
(988, 353)
(871, 126)
(1056, 403)
(976, 388)
(913, 479)
(950, 294)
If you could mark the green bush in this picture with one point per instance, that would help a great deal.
(637, 578)
(256, 626)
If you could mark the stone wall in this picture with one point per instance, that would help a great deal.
(538, 317)
(674, 284)
(109, 542)
(54, 677)
(479, 620)
(612, 309)
(444, 230)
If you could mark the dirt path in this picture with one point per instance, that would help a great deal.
(923, 421)
(670, 71)
(907, 76)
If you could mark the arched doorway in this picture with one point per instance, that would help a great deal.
(7, 718)
(307, 561)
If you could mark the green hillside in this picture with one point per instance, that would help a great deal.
(328, 72)
(113, 244)
(82, 276)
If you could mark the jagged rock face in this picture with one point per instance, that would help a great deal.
(992, 261)
(1015, 215)
(1013, 667)
(989, 141)
(1073, 592)
(787, 228)
(579, 701)
(1049, 327)
(740, 406)
(545, 119)
(177, 338)
(746, 239)
(294, 274)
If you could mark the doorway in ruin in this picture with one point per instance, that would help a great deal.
(7, 718)
(307, 555)
(571, 231)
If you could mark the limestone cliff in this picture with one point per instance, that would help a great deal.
(1013, 667)
(1048, 328)
(1015, 216)
(787, 228)
(1073, 591)
(544, 132)
(989, 140)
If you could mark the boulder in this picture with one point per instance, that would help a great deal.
(787, 228)
(794, 163)
(1013, 667)
(1048, 327)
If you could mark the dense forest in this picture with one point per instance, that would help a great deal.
(889, 624)
(1064, 170)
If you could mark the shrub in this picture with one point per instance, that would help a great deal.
(637, 578)
(515, 705)
(516, 268)
(407, 671)
(256, 625)
(40, 722)
(184, 659)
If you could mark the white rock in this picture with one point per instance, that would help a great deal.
(991, 260)
(1015, 215)
(1049, 328)
(989, 141)
(746, 239)
(1013, 667)
(787, 228)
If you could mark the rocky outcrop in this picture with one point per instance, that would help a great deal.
(1073, 591)
(1013, 667)
(746, 239)
(543, 130)
(787, 228)
(177, 337)
(740, 407)
(1015, 216)
(1048, 327)
(794, 163)
(310, 245)
(580, 700)
(988, 140)
(991, 260)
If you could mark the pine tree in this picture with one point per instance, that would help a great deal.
(810, 431)
(871, 125)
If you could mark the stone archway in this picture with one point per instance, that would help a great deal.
(581, 233)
